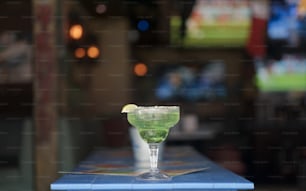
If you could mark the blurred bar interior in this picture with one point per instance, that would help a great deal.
(237, 69)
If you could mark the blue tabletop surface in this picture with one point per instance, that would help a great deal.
(213, 177)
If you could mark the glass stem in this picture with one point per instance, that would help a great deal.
(153, 157)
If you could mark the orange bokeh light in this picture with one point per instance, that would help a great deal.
(79, 53)
(93, 52)
(76, 31)
(140, 69)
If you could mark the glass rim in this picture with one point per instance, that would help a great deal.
(159, 106)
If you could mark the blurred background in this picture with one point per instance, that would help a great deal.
(237, 69)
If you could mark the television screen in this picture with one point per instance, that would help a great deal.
(213, 23)
(286, 74)
(287, 23)
(191, 82)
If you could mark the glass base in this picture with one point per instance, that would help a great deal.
(154, 176)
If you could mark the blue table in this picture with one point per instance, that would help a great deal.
(213, 178)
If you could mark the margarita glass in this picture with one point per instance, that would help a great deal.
(153, 124)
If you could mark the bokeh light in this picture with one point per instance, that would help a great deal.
(143, 25)
(93, 52)
(101, 8)
(79, 53)
(76, 31)
(140, 69)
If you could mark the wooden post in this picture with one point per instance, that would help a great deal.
(45, 92)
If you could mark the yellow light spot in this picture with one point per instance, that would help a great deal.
(93, 52)
(76, 31)
(79, 53)
(302, 8)
(140, 69)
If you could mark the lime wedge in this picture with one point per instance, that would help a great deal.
(128, 108)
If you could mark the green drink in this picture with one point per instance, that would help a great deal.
(153, 124)
(153, 135)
